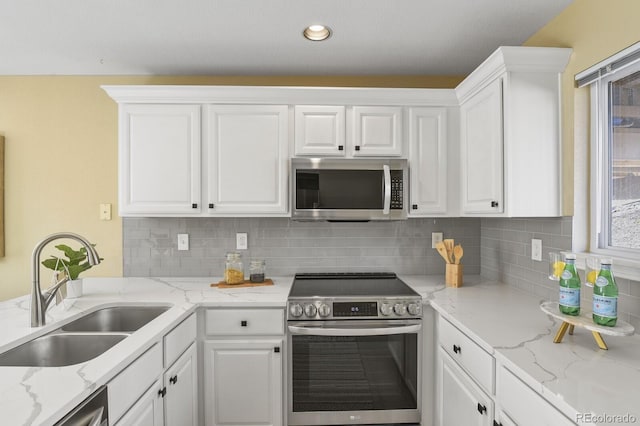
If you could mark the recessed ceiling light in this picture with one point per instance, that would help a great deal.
(317, 32)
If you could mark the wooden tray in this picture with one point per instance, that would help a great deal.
(246, 283)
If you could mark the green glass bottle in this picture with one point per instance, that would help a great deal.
(569, 300)
(605, 296)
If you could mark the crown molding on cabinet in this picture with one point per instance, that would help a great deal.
(279, 95)
(513, 59)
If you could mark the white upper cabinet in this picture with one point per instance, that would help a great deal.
(159, 159)
(510, 134)
(353, 131)
(377, 131)
(481, 150)
(428, 157)
(320, 130)
(247, 159)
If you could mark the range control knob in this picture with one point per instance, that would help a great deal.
(310, 310)
(295, 310)
(400, 309)
(386, 309)
(414, 309)
(324, 310)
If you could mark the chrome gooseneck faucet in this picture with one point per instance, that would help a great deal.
(40, 301)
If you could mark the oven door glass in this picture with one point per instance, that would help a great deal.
(356, 370)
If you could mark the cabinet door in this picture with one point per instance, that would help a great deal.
(247, 159)
(377, 131)
(461, 401)
(428, 160)
(148, 410)
(181, 382)
(524, 405)
(481, 150)
(243, 382)
(320, 130)
(159, 160)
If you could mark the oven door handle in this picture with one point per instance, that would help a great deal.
(387, 189)
(381, 331)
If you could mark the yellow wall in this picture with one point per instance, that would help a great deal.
(61, 159)
(595, 29)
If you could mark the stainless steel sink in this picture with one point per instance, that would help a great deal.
(57, 350)
(119, 319)
(83, 339)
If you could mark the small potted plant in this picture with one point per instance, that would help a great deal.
(73, 264)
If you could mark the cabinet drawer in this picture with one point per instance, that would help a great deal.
(479, 364)
(133, 381)
(524, 405)
(244, 321)
(179, 339)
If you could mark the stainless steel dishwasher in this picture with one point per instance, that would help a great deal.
(93, 411)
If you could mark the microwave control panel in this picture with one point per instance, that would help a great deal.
(396, 189)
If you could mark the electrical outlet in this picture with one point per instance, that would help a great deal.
(105, 211)
(436, 237)
(241, 241)
(183, 242)
(536, 249)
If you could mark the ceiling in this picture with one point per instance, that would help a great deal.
(261, 37)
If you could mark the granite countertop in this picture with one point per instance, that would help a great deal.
(575, 375)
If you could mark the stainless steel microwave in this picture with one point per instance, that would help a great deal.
(349, 189)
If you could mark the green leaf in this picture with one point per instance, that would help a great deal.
(75, 257)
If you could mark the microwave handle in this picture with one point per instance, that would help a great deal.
(382, 331)
(387, 189)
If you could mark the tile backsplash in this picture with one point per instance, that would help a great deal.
(505, 255)
(404, 247)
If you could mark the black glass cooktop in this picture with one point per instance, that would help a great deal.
(349, 285)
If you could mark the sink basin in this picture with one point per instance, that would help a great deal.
(57, 350)
(118, 319)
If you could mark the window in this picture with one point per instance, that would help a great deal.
(615, 154)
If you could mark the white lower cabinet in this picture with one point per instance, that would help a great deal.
(181, 387)
(461, 401)
(243, 382)
(161, 386)
(243, 367)
(524, 406)
(148, 411)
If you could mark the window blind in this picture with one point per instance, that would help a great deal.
(614, 63)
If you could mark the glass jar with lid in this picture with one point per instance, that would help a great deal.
(233, 269)
(256, 270)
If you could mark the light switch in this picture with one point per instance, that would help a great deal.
(105, 211)
(183, 241)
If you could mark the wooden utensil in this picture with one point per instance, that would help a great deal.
(458, 252)
(443, 251)
(448, 243)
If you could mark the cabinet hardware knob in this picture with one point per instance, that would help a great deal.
(340, 147)
(211, 205)
(482, 409)
(277, 349)
(194, 205)
(414, 206)
(162, 392)
(494, 204)
(173, 380)
(243, 323)
(357, 148)
(457, 349)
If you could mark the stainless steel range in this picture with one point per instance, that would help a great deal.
(354, 346)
